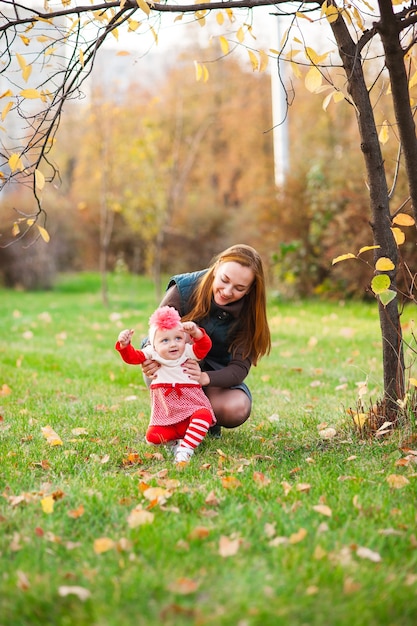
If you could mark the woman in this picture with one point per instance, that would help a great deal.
(228, 300)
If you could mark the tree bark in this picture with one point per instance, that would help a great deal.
(392, 347)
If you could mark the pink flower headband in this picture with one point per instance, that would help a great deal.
(164, 318)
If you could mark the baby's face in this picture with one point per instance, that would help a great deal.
(170, 344)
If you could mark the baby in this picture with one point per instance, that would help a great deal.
(181, 413)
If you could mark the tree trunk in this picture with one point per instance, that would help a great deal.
(392, 347)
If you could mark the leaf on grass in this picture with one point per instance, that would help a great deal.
(81, 593)
(47, 504)
(103, 544)
(51, 436)
(139, 517)
(303, 487)
(228, 547)
(261, 479)
(327, 433)
(22, 581)
(212, 499)
(298, 536)
(231, 482)
(184, 586)
(323, 509)
(157, 495)
(199, 532)
(76, 513)
(360, 419)
(366, 553)
(397, 481)
(79, 431)
(5, 390)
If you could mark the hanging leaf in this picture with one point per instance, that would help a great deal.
(313, 80)
(384, 264)
(219, 18)
(399, 236)
(380, 283)
(254, 60)
(43, 233)
(384, 133)
(144, 6)
(224, 45)
(402, 219)
(387, 296)
(343, 257)
(240, 35)
(15, 162)
(30, 94)
(6, 110)
(263, 60)
(39, 179)
(366, 248)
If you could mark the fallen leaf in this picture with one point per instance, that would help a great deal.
(323, 509)
(397, 481)
(261, 479)
(51, 436)
(76, 513)
(327, 433)
(298, 536)
(184, 586)
(231, 482)
(139, 516)
(366, 553)
(81, 593)
(22, 581)
(199, 532)
(212, 499)
(79, 431)
(47, 504)
(5, 390)
(303, 487)
(104, 544)
(228, 547)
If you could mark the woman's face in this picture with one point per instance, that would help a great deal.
(231, 281)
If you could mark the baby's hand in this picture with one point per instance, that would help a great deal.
(192, 329)
(125, 337)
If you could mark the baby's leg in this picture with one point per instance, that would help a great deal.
(200, 421)
(162, 434)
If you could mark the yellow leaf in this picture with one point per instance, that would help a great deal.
(25, 40)
(43, 233)
(413, 80)
(331, 13)
(6, 110)
(15, 162)
(303, 16)
(295, 69)
(264, 60)
(298, 536)
(139, 516)
(360, 419)
(51, 436)
(240, 35)
(133, 25)
(6, 94)
(81, 57)
(402, 219)
(384, 133)
(39, 179)
(343, 257)
(104, 544)
(384, 264)
(314, 57)
(313, 80)
(144, 6)
(219, 18)
(413, 381)
(254, 60)
(397, 481)
(15, 229)
(366, 248)
(26, 72)
(399, 236)
(21, 60)
(47, 504)
(224, 45)
(323, 509)
(30, 94)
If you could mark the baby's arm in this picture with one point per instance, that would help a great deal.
(127, 351)
(193, 330)
(125, 337)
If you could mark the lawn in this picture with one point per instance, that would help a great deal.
(293, 519)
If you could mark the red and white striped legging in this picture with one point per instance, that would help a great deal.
(192, 430)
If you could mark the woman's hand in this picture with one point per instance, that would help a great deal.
(193, 371)
(150, 367)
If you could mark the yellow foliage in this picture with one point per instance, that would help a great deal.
(384, 264)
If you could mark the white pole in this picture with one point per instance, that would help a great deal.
(279, 116)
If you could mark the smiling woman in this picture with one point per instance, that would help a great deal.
(228, 301)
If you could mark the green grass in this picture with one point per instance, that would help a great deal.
(253, 491)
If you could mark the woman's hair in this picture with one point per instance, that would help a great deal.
(253, 337)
